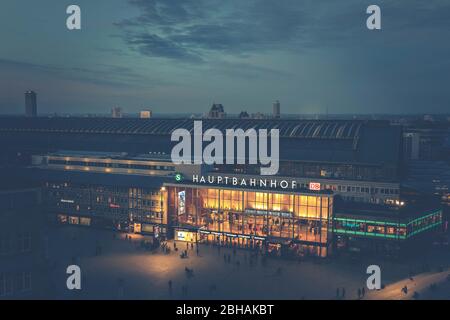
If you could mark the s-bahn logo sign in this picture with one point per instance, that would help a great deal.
(241, 147)
(178, 177)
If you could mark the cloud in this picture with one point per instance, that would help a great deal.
(102, 74)
(156, 46)
(192, 30)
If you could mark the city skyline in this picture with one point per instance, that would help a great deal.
(176, 56)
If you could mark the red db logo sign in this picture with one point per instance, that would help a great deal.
(314, 186)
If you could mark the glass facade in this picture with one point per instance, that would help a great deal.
(387, 229)
(426, 222)
(120, 205)
(242, 216)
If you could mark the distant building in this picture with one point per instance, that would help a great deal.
(30, 104)
(411, 145)
(276, 109)
(431, 178)
(217, 111)
(258, 115)
(116, 112)
(244, 115)
(432, 140)
(145, 114)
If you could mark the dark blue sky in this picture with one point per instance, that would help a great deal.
(182, 55)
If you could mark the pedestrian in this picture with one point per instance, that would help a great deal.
(343, 292)
(363, 291)
(192, 246)
(359, 293)
(405, 290)
(120, 288)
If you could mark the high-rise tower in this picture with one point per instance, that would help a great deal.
(30, 104)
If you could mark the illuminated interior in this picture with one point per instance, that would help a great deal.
(234, 213)
(388, 229)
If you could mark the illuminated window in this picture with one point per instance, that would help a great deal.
(376, 229)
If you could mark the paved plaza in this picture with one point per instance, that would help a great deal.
(123, 269)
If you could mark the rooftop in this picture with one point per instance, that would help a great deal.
(332, 141)
(410, 210)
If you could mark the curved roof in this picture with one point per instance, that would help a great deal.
(343, 141)
(323, 129)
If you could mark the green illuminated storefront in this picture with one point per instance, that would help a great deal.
(355, 231)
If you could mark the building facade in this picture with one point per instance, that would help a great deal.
(22, 245)
(124, 179)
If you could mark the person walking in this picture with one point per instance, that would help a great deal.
(363, 292)
(170, 287)
(405, 289)
(120, 288)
